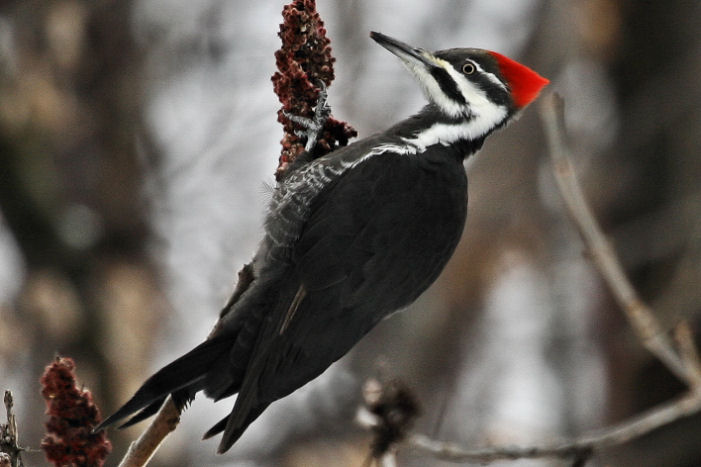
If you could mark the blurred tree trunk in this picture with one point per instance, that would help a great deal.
(70, 193)
(655, 68)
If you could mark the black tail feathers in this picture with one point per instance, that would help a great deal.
(145, 413)
(179, 378)
(234, 428)
(232, 431)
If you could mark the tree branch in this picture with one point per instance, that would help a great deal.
(687, 348)
(639, 315)
(681, 359)
(141, 450)
(10, 451)
(583, 446)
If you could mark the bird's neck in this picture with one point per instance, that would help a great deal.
(431, 127)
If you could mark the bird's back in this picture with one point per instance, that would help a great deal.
(350, 237)
(374, 240)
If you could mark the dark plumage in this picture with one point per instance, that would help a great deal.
(350, 238)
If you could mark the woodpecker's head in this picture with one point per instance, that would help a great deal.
(473, 84)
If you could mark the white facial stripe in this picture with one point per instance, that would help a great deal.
(491, 76)
(485, 113)
(433, 90)
(474, 96)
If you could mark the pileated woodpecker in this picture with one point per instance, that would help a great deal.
(350, 237)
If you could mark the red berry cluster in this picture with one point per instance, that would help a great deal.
(303, 60)
(69, 440)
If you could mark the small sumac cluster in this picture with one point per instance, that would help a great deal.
(69, 440)
(304, 61)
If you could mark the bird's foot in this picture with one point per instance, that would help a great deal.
(311, 127)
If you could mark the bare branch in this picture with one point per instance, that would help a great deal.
(389, 410)
(584, 446)
(688, 352)
(639, 315)
(10, 451)
(682, 360)
(141, 450)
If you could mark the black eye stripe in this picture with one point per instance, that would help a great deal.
(447, 85)
(495, 93)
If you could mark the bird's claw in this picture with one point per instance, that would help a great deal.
(311, 127)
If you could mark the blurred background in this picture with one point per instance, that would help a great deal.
(138, 143)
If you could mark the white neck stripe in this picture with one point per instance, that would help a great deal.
(449, 133)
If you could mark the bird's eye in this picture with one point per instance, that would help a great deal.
(468, 68)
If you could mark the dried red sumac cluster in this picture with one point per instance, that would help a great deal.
(303, 61)
(69, 440)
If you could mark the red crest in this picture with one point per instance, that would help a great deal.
(525, 84)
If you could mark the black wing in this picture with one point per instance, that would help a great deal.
(375, 240)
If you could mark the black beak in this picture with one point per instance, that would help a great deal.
(404, 51)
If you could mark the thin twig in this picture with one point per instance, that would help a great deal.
(688, 352)
(141, 450)
(682, 360)
(611, 436)
(9, 436)
(639, 315)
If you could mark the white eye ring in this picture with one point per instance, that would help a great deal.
(468, 68)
